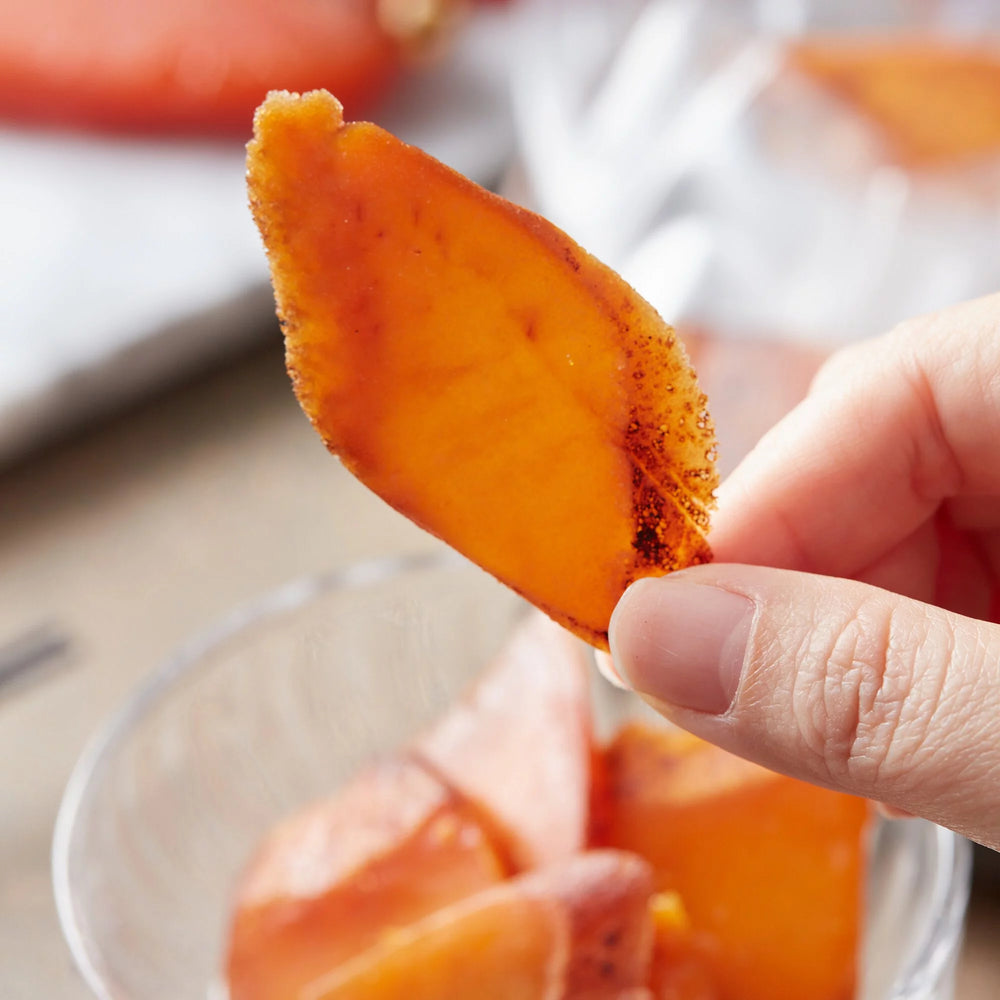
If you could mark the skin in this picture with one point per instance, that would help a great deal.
(846, 633)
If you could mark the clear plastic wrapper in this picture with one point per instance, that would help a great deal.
(676, 140)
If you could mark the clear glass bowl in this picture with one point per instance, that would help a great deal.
(284, 700)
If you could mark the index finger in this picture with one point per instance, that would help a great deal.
(890, 429)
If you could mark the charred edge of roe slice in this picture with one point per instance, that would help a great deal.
(656, 518)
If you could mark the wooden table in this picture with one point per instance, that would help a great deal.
(139, 533)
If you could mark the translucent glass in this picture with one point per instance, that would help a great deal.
(285, 700)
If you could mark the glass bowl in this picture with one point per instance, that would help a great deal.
(284, 700)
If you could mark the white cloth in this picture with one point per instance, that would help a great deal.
(127, 262)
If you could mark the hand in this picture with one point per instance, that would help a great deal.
(845, 634)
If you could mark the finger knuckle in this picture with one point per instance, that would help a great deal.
(875, 681)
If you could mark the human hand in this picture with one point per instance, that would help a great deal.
(845, 633)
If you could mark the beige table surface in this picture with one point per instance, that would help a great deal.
(134, 536)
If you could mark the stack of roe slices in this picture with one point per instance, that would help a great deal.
(506, 391)
(505, 853)
(199, 67)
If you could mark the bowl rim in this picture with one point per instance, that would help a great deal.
(929, 961)
(144, 696)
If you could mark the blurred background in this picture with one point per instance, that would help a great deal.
(777, 178)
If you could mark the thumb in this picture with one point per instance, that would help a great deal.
(827, 680)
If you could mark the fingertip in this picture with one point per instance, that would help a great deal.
(606, 668)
